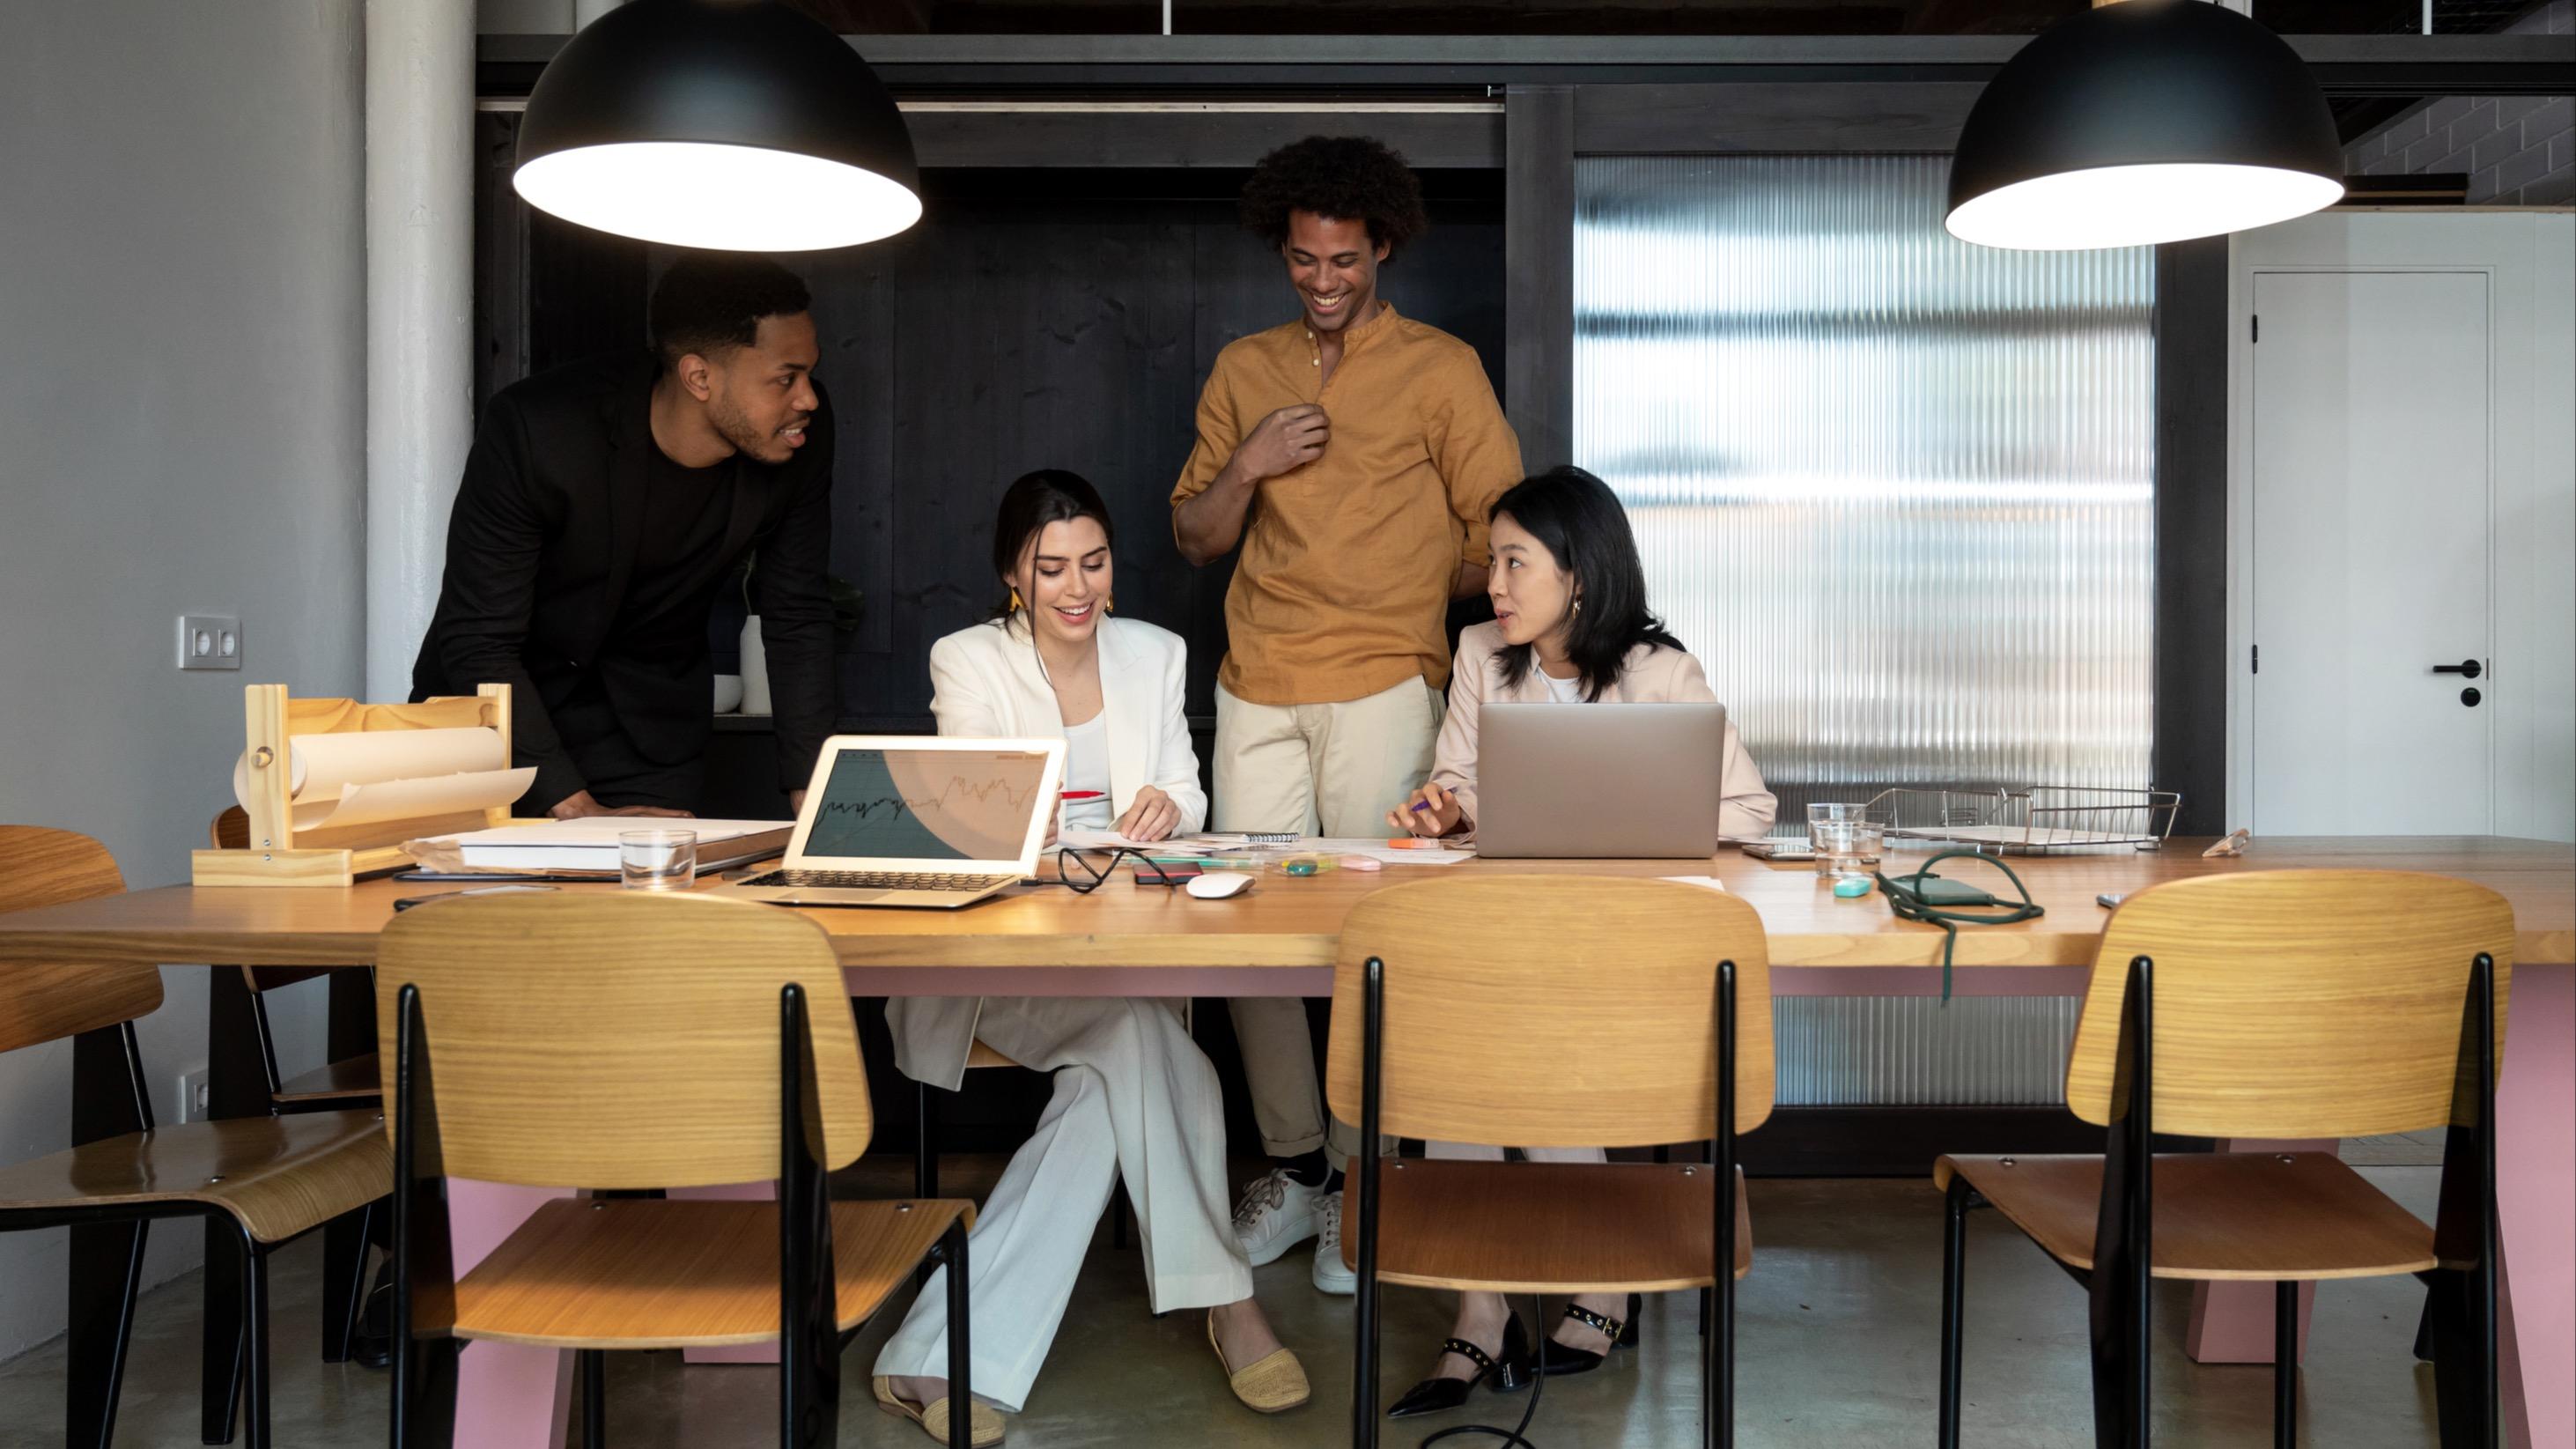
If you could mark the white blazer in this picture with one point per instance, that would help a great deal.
(985, 681)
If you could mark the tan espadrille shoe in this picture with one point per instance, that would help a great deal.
(1274, 1385)
(983, 1423)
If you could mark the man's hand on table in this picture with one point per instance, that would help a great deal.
(580, 805)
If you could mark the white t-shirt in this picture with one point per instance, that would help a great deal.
(1086, 767)
(1561, 691)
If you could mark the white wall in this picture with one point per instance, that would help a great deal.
(181, 429)
(2529, 256)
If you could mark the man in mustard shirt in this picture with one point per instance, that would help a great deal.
(1353, 454)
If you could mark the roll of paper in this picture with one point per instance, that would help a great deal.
(367, 777)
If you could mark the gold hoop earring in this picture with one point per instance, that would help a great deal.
(1016, 606)
(1109, 604)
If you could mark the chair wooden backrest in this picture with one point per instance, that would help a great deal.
(41, 1003)
(1553, 1011)
(617, 1040)
(2294, 1003)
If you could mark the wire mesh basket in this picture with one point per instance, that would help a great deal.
(2030, 820)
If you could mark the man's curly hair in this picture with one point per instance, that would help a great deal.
(1347, 178)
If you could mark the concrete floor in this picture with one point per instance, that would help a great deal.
(1838, 1347)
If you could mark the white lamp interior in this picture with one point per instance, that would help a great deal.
(732, 198)
(2119, 206)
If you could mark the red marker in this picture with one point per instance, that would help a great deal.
(1083, 795)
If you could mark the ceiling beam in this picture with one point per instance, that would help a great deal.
(923, 65)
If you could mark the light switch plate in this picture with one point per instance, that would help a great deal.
(210, 641)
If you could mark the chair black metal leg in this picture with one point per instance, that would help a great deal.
(2464, 1364)
(220, 1356)
(344, 1280)
(1363, 1374)
(1717, 1367)
(425, 1412)
(961, 1354)
(925, 1143)
(2285, 1365)
(594, 1398)
(255, 1400)
(106, 1271)
(1954, 1287)
(925, 1162)
(2424, 1323)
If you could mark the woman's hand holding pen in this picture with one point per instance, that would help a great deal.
(1150, 816)
(1429, 811)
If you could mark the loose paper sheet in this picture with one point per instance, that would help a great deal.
(370, 776)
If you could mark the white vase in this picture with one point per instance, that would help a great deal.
(728, 693)
(755, 669)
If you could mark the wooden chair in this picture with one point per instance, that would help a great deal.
(257, 1182)
(529, 1034)
(1454, 1002)
(238, 1008)
(2283, 1005)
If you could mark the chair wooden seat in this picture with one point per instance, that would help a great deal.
(629, 1274)
(278, 1175)
(357, 1078)
(980, 1055)
(2251, 1215)
(1532, 1227)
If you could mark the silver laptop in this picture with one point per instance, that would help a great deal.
(1616, 781)
(915, 820)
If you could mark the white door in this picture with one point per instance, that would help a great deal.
(2371, 559)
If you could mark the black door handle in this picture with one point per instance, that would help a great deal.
(2466, 669)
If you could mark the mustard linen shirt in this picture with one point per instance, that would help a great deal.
(1343, 585)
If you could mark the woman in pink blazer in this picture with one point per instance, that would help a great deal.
(1570, 626)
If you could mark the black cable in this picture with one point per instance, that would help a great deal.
(1538, 1382)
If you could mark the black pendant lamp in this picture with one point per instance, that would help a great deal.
(2148, 121)
(730, 124)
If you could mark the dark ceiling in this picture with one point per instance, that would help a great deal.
(1592, 17)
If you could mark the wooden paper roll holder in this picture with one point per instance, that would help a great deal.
(278, 854)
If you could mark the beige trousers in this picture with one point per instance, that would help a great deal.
(1317, 769)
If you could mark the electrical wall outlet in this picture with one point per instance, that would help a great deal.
(194, 1099)
(210, 641)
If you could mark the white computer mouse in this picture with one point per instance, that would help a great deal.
(1216, 885)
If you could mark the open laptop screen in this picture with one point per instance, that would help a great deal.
(942, 804)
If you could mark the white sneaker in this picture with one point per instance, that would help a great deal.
(1332, 1275)
(1277, 1213)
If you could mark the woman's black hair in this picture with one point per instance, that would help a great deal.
(1578, 520)
(1034, 500)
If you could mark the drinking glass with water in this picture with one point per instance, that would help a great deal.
(1847, 841)
(657, 860)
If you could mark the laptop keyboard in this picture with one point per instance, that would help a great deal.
(877, 880)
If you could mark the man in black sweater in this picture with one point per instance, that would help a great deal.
(605, 503)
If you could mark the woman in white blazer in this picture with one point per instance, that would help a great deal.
(1134, 1096)
(1570, 626)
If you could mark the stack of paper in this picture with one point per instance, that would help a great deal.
(589, 846)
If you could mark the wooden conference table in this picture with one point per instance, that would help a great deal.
(1279, 940)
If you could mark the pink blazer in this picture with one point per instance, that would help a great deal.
(1651, 675)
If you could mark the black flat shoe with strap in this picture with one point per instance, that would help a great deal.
(1508, 1374)
(1558, 1361)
